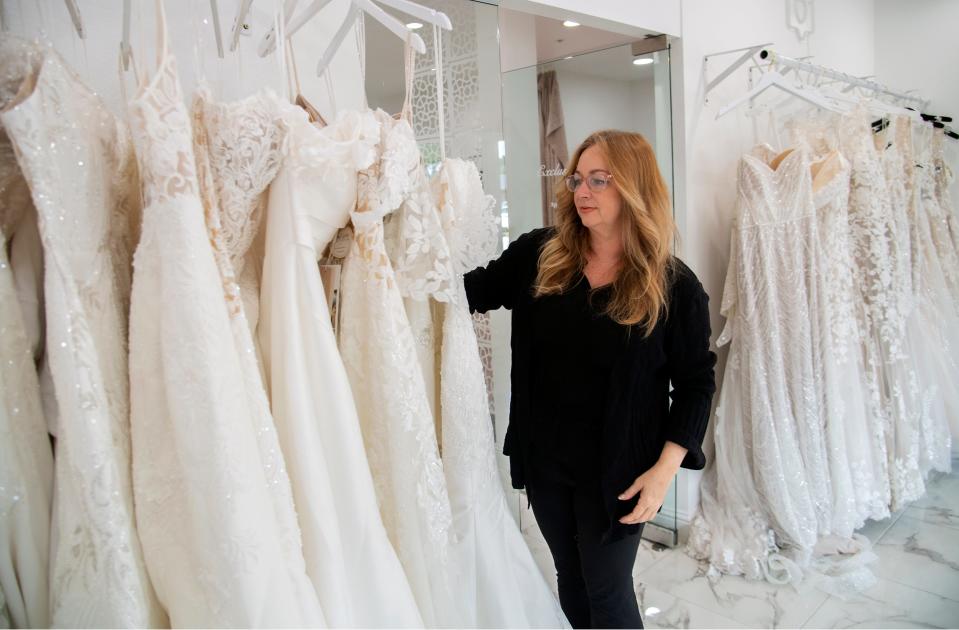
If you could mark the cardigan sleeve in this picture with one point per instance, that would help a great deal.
(498, 284)
(690, 365)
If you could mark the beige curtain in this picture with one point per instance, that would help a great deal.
(552, 141)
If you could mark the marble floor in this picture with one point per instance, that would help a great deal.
(917, 578)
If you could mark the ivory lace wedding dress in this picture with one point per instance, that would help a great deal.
(207, 468)
(380, 355)
(349, 557)
(504, 586)
(78, 162)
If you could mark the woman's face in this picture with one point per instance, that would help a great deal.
(596, 208)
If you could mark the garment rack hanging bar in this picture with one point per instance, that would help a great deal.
(823, 71)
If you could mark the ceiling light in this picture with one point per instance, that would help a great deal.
(570, 24)
(568, 57)
(414, 25)
(642, 61)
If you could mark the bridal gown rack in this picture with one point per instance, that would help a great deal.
(840, 393)
(219, 458)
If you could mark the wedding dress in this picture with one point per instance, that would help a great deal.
(349, 557)
(207, 468)
(756, 496)
(26, 461)
(945, 230)
(937, 306)
(779, 497)
(379, 351)
(78, 161)
(855, 437)
(881, 249)
(504, 585)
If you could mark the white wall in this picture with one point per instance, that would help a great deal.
(707, 150)
(917, 47)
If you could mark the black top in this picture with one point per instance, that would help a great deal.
(574, 347)
(637, 417)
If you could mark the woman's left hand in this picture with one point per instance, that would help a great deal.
(652, 486)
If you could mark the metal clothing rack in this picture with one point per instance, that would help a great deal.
(788, 63)
(852, 81)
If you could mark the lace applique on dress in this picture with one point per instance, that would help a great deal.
(204, 448)
(379, 350)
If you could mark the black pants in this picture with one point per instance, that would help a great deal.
(595, 581)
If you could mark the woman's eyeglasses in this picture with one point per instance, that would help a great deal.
(596, 183)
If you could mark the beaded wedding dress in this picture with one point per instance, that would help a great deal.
(26, 461)
(78, 161)
(214, 507)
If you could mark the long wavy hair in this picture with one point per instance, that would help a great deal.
(640, 290)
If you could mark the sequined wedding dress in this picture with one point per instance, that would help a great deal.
(210, 488)
(789, 399)
(26, 461)
(77, 159)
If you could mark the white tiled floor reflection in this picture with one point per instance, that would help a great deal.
(917, 585)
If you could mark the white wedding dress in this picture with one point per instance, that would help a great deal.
(934, 262)
(755, 496)
(207, 474)
(855, 437)
(379, 351)
(879, 227)
(349, 557)
(26, 460)
(503, 584)
(945, 231)
(779, 498)
(78, 161)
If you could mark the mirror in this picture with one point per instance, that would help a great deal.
(551, 106)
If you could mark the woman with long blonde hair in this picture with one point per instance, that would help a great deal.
(608, 326)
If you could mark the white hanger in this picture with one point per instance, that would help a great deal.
(367, 6)
(76, 18)
(241, 14)
(216, 28)
(773, 78)
(268, 43)
(398, 28)
(126, 53)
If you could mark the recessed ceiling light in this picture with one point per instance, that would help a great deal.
(414, 25)
(568, 57)
(570, 24)
(642, 61)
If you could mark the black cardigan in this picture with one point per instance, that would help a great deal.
(638, 418)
